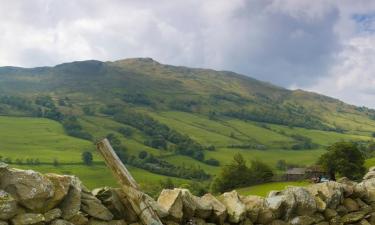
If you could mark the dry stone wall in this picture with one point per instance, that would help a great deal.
(30, 198)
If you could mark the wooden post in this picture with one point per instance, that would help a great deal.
(127, 183)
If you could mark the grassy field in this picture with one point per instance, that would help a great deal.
(264, 189)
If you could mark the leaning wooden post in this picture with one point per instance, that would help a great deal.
(127, 183)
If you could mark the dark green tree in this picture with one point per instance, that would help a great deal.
(87, 158)
(344, 159)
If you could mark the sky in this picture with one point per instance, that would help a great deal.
(325, 46)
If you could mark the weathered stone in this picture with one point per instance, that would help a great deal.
(366, 190)
(302, 220)
(329, 213)
(317, 217)
(92, 206)
(369, 175)
(348, 186)
(162, 213)
(253, 205)
(71, 204)
(171, 201)
(305, 203)
(52, 214)
(111, 200)
(351, 205)
(94, 221)
(31, 189)
(203, 208)
(189, 205)
(352, 217)
(61, 186)
(371, 219)
(341, 210)
(235, 208)
(79, 219)
(336, 221)
(61, 222)
(3, 222)
(8, 206)
(246, 221)
(320, 204)
(280, 205)
(130, 215)
(332, 193)
(219, 210)
(278, 222)
(364, 222)
(117, 222)
(265, 216)
(28, 219)
(323, 223)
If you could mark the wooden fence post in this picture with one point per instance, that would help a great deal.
(127, 183)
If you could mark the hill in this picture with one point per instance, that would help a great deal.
(166, 120)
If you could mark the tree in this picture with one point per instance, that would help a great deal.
(142, 154)
(87, 158)
(344, 159)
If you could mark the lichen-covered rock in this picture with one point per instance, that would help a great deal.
(265, 216)
(323, 223)
(79, 219)
(281, 205)
(3, 222)
(93, 207)
(61, 222)
(117, 222)
(353, 217)
(335, 221)
(329, 214)
(351, 205)
(203, 208)
(219, 211)
(171, 201)
(189, 205)
(331, 192)
(31, 189)
(302, 220)
(71, 204)
(28, 219)
(366, 190)
(8, 206)
(369, 175)
(94, 221)
(364, 222)
(61, 186)
(52, 214)
(320, 204)
(235, 208)
(253, 205)
(278, 222)
(111, 200)
(160, 211)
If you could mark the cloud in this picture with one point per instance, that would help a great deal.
(318, 45)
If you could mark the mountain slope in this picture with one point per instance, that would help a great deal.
(188, 119)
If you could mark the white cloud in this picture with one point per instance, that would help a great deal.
(311, 44)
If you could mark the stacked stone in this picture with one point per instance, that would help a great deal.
(30, 198)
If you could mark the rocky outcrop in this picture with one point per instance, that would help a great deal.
(30, 198)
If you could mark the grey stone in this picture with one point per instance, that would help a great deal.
(28, 219)
(8, 206)
(52, 214)
(235, 208)
(61, 222)
(93, 207)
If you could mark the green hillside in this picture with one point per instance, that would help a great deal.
(165, 121)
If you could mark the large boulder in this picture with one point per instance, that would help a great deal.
(28, 219)
(31, 189)
(332, 193)
(219, 211)
(8, 206)
(171, 201)
(235, 208)
(71, 204)
(253, 205)
(93, 207)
